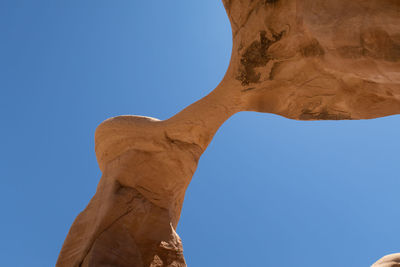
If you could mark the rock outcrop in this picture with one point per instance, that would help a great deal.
(304, 59)
(317, 59)
(392, 260)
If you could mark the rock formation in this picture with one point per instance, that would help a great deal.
(392, 260)
(301, 59)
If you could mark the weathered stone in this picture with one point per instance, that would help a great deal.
(304, 59)
(317, 59)
(392, 260)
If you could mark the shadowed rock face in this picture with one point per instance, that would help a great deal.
(131, 220)
(305, 60)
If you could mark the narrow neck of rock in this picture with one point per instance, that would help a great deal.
(198, 123)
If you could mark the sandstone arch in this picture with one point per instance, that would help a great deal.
(302, 59)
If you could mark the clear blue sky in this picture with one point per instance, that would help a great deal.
(268, 191)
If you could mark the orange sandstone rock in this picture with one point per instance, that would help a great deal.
(317, 59)
(302, 59)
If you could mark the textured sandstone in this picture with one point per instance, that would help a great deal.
(392, 260)
(317, 59)
(305, 60)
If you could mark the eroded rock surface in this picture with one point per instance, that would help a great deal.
(317, 59)
(392, 260)
(305, 60)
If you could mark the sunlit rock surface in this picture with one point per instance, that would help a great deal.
(305, 60)
(392, 260)
(317, 59)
